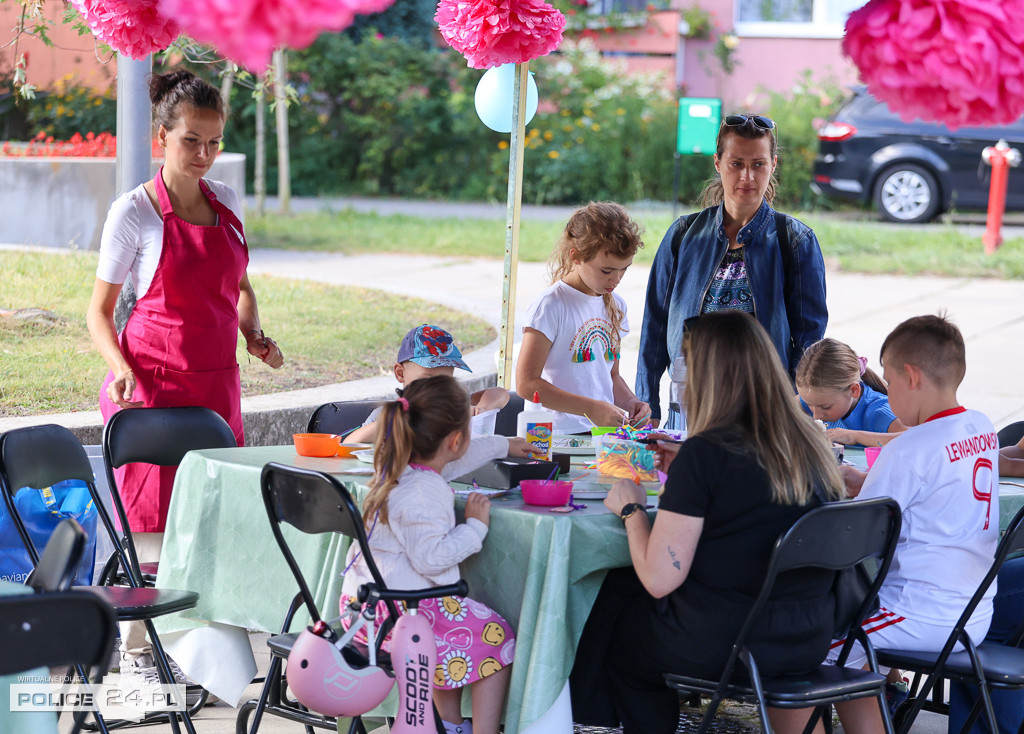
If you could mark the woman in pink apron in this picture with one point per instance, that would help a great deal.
(182, 242)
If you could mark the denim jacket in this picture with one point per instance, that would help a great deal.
(789, 305)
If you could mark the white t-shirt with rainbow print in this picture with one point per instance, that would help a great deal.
(583, 348)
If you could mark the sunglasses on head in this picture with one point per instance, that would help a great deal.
(765, 123)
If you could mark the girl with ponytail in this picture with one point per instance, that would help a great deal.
(423, 441)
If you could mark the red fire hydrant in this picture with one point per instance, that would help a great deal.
(1001, 157)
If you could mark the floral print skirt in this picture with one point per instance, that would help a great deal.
(473, 641)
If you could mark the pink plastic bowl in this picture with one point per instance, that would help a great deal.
(546, 493)
(871, 453)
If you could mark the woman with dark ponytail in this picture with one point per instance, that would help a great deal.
(181, 239)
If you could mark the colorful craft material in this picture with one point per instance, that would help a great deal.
(623, 457)
(494, 32)
(959, 62)
(135, 28)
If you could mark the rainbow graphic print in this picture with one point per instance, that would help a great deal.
(593, 340)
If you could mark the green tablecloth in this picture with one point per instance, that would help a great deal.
(539, 569)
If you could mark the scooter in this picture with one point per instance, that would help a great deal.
(331, 674)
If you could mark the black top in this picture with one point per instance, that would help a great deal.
(730, 490)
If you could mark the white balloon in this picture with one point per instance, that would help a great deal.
(493, 98)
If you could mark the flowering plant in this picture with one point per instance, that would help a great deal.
(725, 49)
(698, 20)
(955, 61)
(42, 145)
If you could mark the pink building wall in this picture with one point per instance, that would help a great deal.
(70, 54)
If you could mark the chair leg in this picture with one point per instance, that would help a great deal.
(272, 680)
(164, 669)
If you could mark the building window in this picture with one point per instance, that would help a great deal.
(793, 18)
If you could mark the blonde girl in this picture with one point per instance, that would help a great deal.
(573, 332)
(837, 388)
(423, 441)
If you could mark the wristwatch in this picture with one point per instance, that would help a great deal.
(629, 509)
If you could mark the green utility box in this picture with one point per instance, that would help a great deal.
(699, 118)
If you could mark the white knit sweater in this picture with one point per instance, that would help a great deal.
(421, 546)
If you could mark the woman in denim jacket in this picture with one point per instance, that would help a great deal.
(737, 253)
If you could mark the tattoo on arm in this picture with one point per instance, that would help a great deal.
(675, 562)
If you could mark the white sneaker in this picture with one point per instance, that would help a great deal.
(139, 681)
(466, 727)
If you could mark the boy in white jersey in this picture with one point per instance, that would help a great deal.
(942, 472)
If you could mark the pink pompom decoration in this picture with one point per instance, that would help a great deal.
(959, 62)
(134, 28)
(248, 31)
(494, 32)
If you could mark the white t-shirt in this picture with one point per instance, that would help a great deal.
(583, 347)
(133, 236)
(944, 475)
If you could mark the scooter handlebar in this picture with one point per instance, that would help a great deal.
(459, 588)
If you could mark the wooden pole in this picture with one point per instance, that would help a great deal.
(516, 148)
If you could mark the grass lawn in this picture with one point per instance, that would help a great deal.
(337, 334)
(860, 246)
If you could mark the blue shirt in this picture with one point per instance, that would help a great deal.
(787, 293)
(871, 413)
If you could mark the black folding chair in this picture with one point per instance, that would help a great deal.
(312, 502)
(985, 666)
(342, 417)
(51, 629)
(835, 536)
(160, 436)
(506, 422)
(41, 456)
(54, 628)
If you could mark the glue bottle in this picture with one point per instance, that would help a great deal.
(536, 425)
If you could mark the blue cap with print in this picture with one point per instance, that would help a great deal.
(431, 346)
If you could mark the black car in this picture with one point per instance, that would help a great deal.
(910, 171)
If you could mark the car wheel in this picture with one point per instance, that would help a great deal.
(907, 193)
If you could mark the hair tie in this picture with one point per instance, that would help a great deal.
(405, 403)
(863, 362)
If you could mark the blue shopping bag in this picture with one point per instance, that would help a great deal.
(42, 510)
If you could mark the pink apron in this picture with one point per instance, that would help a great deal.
(180, 342)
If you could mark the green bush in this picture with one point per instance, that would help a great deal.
(796, 115)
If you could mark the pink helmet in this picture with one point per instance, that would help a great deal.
(328, 681)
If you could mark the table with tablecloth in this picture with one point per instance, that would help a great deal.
(20, 722)
(540, 570)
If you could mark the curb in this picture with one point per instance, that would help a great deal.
(270, 420)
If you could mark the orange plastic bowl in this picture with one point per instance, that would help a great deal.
(553, 493)
(316, 444)
(346, 450)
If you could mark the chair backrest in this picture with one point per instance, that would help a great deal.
(505, 423)
(56, 567)
(162, 436)
(341, 418)
(312, 502)
(1011, 435)
(835, 536)
(51, 629)
(39, 457)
